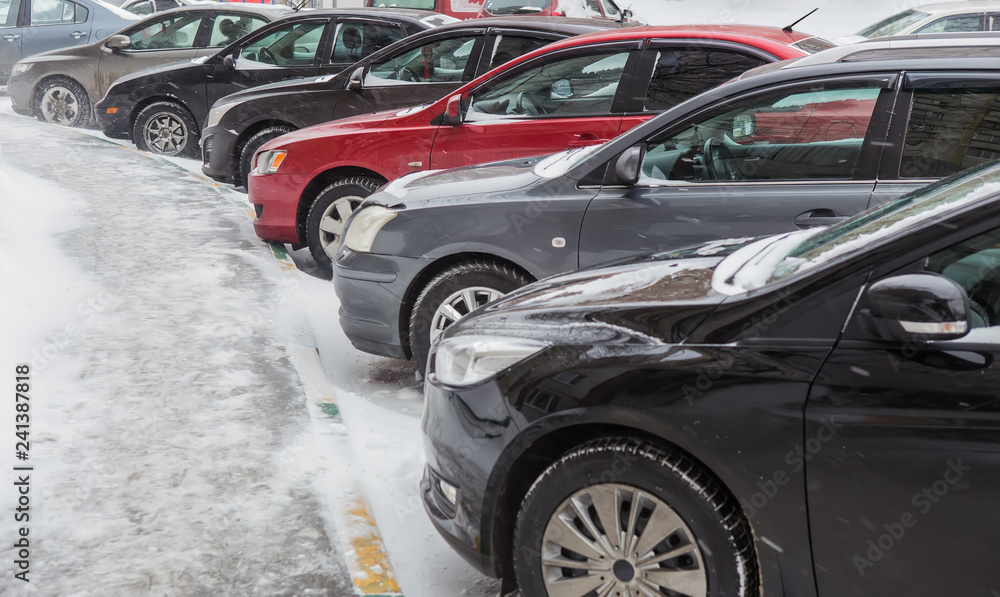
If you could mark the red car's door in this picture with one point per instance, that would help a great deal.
(566, 99)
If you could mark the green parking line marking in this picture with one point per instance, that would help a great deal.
(330, 409)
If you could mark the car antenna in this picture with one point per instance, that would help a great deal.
(299, 6)
(788, 29)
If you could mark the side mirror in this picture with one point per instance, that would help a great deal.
(453, 111)
(356, 81)
(919, 308)
(629, 164)
(118, 42)
(744, 125)
(229, 61)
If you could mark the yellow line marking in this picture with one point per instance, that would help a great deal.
(375, 574)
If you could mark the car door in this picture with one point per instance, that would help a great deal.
(170, 38)
(949, 127)
(760, 164)
(902, 501)
(674, 70)
(566, 99)
(10, 36)
(287, 51)
(54, 24)
(418, 73)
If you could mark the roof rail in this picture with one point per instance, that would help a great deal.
(914, 41)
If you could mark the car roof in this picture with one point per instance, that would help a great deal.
(259, 9)
(903, 47)
(567, 25)
(940, 8)
(738, 33)
(406, 13)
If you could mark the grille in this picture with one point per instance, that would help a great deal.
(259, 209)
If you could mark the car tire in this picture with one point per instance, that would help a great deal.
(477, 282)
(701, 537)
(247, 149)
(63, 101)
(166, 128)
(329, 212)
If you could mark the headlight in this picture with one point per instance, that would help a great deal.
(21, 67)
(365, 226)
(268, 162)
(469, 360)
(217, 112)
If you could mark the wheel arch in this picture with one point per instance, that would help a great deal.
(320, 182)
(40, 83)
(507, 488)
(427, 274)
(249, 132)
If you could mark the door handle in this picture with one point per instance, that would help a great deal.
(818, 217)
(586, 139)
(78, 34)
(12, 37)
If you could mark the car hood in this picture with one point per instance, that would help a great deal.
(322, 83)
(433, 187)
(73, 52)
(172, 69)
(339, 127)
(653, 299)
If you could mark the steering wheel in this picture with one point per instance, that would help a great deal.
(720, 161)
(523, 104)
(405, 73)
(266, 56)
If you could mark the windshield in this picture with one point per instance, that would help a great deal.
(893, 24)
(516, 7)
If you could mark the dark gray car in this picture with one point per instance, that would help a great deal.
(60, 86)
(790, 145)
(28, 27)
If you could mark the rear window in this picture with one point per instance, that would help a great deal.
(812, 45)
(893, 24)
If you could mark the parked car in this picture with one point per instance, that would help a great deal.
(60, 86)
(459, 9)
(422, 68)
(788, 146)
(583, 9)
(942, 17)
(148, 7)
(28, 27)
(163, 109)
(575, 92)
(810, 412)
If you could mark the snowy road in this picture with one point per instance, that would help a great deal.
(177, 439)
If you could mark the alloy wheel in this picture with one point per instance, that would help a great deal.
(460, 304)
(60, 106)
(166, 134)
(331, 224)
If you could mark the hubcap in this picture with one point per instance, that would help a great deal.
(60, 106)
(166, 134)
(619, 541)
(460, 304)
(331, 225)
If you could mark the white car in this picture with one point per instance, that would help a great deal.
(942, 17)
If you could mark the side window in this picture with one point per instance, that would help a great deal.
(799, 135)
(141, 8)
(949, 131)
(439, 61)
(611, 9)
(975, 265)
(291, 45)
(228, 28)
(993, 22)
(683, 73)
(8, 13)
(952, 24)
(357, 39)
(578, 85)
(508, 47)
(57, 12)
(168, 33)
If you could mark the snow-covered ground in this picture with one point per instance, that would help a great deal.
(177, 436)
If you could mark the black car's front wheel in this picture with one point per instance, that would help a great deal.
(453, 294)
(329, 212)
(247, 149)
(166, 128)
(621, 516)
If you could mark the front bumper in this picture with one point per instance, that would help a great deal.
(217, 161)
(371, 290)
(464, 437)
(117, 125)
(19, 88)
(276, 200)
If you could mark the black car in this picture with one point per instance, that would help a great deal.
(813, 413)
(790, 145)
(162, 109)
(421, 68)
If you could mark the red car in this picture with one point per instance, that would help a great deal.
(575, 92)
